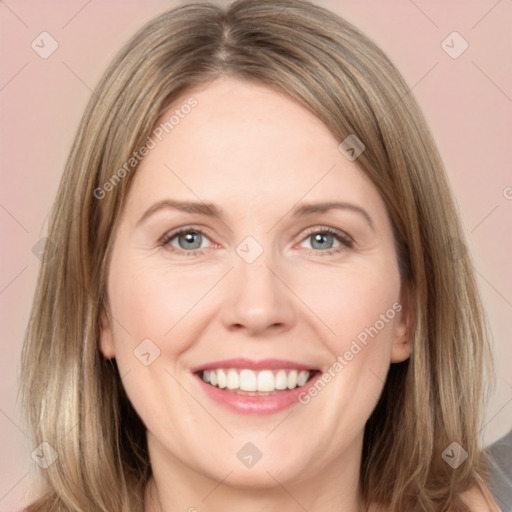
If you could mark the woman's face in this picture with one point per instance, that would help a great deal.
(261, 277)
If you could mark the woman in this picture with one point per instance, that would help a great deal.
(250, 370)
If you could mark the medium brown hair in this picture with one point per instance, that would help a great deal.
(73, 396)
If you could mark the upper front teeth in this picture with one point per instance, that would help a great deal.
(249, 380)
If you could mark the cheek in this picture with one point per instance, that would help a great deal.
(361, 308)
(155, 322)
(355, 304)
(151, 303)
(149, 318)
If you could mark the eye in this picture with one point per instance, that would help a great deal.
(322, 240)
(188, 240)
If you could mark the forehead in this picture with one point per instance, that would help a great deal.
(242, 143)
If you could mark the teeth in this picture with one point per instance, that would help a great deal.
(281, 380)
(266, 381)
(292, 379)
(302, 378)
(232, 379)
(247, 381)
(222, 380)
(250, 380)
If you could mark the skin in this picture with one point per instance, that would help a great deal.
(255, 153)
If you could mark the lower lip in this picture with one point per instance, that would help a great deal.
(253, 404)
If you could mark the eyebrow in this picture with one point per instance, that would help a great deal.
(208, 209)
(311, 208)
(211, 210)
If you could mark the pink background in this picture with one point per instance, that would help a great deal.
(467, 102)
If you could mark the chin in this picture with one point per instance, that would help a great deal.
(257, 479)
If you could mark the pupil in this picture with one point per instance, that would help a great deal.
(319, 237)
(189, 238)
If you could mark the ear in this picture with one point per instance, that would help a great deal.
(106, 336)
(403, 328)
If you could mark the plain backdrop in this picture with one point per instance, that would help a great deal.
(466, 98)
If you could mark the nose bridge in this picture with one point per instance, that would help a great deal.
(259, 299)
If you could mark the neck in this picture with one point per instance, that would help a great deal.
(329, 487)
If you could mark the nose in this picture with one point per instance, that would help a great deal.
(258, 298)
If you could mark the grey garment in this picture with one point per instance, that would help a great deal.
(500, 461)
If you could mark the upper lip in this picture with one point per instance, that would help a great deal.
(262, 364)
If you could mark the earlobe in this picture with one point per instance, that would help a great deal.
(106, 338)
(403, 330)
(402, 348)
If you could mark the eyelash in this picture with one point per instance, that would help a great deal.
(345, 241)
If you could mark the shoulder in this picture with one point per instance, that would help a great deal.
(479, 499)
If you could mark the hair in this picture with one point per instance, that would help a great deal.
(73, 396)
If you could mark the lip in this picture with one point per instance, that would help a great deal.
(254, 404)
(250, 364)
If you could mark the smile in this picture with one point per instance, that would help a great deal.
(251, 382)
(246, 386)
